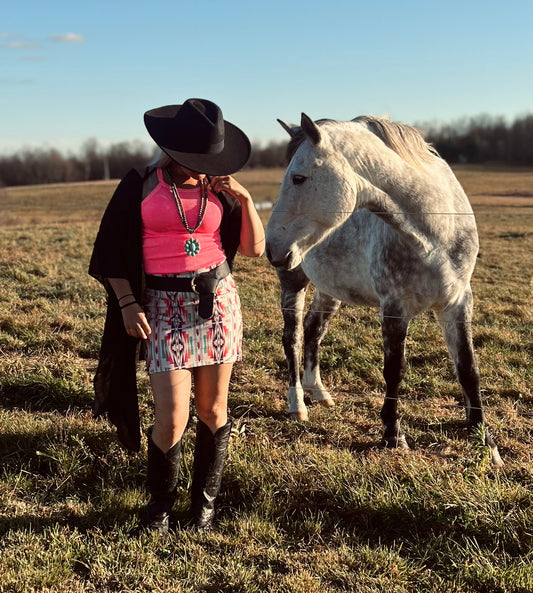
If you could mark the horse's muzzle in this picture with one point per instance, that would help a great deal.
(286, 261)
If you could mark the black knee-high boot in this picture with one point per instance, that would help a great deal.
(209, 457)
(161, 483)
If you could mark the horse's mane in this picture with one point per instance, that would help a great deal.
(406, 141)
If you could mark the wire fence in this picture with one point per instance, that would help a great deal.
(524, 285)
(524, 328)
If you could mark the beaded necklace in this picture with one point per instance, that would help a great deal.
(192, 245)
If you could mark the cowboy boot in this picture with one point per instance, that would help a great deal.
(161, 483)
(209, 457)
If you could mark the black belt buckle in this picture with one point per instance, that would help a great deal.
(204, 285)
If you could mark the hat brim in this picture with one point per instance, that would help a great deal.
(230, 159)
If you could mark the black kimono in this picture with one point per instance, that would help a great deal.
(117, 253)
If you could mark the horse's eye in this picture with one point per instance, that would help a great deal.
(298, 179)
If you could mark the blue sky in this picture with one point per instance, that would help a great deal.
(70, 71)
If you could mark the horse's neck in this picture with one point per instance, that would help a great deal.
(409, 200)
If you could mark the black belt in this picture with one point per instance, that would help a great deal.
(204, 284)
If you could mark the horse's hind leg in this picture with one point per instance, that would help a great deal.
(456, 324)
(394, 329)
(294, 285)
(316, 323)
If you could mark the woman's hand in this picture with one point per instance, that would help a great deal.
(133, 316)
(230, 185)
(135, 321)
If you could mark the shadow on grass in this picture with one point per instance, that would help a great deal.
(390, 522)
(124, 512)
(106, 521)
(452, 429)
(40, 394)
(408, 524)
(53, 462)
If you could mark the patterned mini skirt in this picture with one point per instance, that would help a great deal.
(181, 339)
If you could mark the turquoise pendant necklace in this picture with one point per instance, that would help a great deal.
(192, 245)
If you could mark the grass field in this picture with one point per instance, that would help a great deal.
(304, 507)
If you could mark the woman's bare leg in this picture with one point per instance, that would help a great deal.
(211, 385)
(212, 437)
(172, 393)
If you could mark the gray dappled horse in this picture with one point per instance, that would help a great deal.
(371, 215)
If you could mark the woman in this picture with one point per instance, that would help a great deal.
(164, 252)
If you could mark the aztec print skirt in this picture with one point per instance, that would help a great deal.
(181, 339)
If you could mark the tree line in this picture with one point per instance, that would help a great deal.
(469, 140)
(484, 139)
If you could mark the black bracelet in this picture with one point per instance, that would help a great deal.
(125, 295)
(128, 304)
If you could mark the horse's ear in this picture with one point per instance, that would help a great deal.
(291, 130)
(310, 129)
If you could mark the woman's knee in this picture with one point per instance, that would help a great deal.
(165, 435)
(171, 424)
(212, 414)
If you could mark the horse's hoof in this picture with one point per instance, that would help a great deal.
(395, 442)
(497, 461)
(327, 403)
(300, 416)
(320, 396)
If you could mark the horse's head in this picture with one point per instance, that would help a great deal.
(316, 196)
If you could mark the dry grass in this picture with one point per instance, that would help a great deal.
(304, 507)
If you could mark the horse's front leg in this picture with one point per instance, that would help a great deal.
(456, 324)
(322, 309)
(394, 329)
(294, 285)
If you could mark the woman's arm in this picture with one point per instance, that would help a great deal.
(252, 240)
(132, 314)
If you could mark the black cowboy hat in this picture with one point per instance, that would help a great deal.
(196, 136)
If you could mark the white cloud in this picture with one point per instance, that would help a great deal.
(68, 38)
(12, 41)
(19, 45)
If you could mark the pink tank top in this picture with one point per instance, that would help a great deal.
(164, 235)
